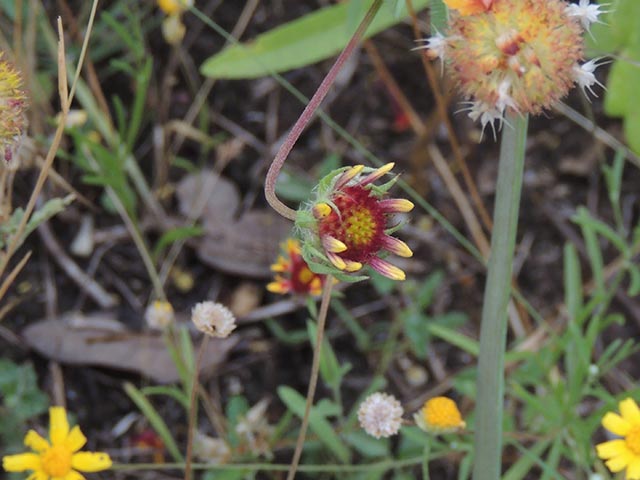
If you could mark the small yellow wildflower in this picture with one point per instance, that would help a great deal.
(623, 452)
(59, 458)
(172, 7)
(439, 415)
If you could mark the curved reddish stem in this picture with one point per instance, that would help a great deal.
(307, 115)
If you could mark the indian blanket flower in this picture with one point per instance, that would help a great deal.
(293, 274)
(439, 415)
(380, 415)
(58, 458)
(12, 106)
(346, 226)
(623, 453)
(515, 55)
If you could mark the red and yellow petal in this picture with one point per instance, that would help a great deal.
(336, 260)
(347, 176)
(386, 269)
(396, 246)
(376, 174)
(332, 244)
(396, 205)
(469, 7)
(279, 285)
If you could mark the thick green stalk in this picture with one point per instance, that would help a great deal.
(493, 330)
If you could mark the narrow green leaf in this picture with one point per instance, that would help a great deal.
(314, 37)
(155, 419)
(320, 426)
(572, 282)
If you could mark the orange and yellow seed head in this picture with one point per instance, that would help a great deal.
(13, 103)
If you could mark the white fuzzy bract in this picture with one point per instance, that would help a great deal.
(586, 12)
(584, 76)
(487, 115)
(213, 319)
(380, 415)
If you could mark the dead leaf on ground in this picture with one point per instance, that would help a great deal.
(247, 246)
(97, 340)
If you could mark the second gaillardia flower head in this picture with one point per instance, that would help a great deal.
(347, 226)
(515, 55)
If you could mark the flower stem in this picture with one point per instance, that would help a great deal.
(313, 380)
(193, 411)
(493, 330)
(307, 115)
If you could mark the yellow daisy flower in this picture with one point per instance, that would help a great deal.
(59, 458)
(623, 452)
(439, 415)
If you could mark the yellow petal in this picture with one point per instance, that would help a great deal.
(76, 439)
(21, 462)
(630, 411)
(73, 475)
(90, 461)
(58, 425)
(278, 287)
(617, 464)
(611, 449)
(35, 442)
(337, 261)
(616, 424)
(351, 266)
(39, 475)
(332, 244)
(385, 268)
(633, 470)
(321, 210)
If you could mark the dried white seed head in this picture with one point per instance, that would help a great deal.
(213, 319)
(159, 315)
(380, 415)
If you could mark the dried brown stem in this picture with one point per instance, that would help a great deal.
(313, 380)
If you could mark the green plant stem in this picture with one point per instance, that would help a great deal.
(426, 456)
(313, 380)
(193, 410)
(493, 330)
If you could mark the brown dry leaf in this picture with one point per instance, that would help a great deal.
(93, 340)
(207, 192)
(246, 247)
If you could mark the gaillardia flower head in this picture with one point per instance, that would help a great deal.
(346, 226)
(439, 415)
(59, 457)
(12, 105)
(514, 55)
(623, 452)
(293, 274)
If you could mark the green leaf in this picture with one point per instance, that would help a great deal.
(572, 282)
(366, 445)
(174, 235)
(306, 40)
(155, 419)
(320, 426)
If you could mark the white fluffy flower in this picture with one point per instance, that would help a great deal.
(487, 115)
(380, 415)
(159, 315)
(586, 12)
(584, 76)
(436, 46)
(213, 319)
